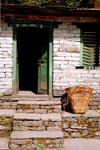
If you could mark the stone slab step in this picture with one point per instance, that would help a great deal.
(44, 117)
(89, 113)
(7, 112)
(31, 139)
(42, 98)
(35, 98)
(37, 122)
(39, 107)
(36, 134)
(39, 102)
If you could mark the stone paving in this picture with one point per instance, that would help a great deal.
(82, 144)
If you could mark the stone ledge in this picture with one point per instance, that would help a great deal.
(36, 134)
(81, 125)
(44, 117)
(42, 98)
(89, 113)
(7, 112)
(39, 102)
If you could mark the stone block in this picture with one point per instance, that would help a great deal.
(73, 59)
(63, 26)
(42, 128)
(41, 111)
(97, 133)
(67, 66)
(32, 123)
(84, 133)
(56, 42)
(59, 124)
(71, 27)
(65, 125)
(58, 32)
(78, 125)
(75, 63)
(22, 142)
(77, 31)
(97, 76)
(75, 39)
(77, 35)
(56, 66)
(8, 75)
(55, 128)
(75, 134)
(14, 146)
(6, 45)
(59, 58)
(66, 134)
(27, 146)
(17, 123)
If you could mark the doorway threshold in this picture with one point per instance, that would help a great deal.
(30, 94)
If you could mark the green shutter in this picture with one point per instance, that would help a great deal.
(89, 44)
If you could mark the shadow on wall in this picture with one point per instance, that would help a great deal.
(65, 104)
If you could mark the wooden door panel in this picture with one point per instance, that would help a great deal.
(43, 62)
(42, 78)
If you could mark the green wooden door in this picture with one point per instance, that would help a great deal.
(43, 63)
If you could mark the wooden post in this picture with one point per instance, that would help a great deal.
(14, 59)
(50, 61)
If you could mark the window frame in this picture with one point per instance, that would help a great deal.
(81, 45)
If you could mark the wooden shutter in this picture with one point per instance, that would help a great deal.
(89, 45)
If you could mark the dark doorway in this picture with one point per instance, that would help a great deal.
(29, 43)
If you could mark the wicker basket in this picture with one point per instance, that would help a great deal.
(79, 97)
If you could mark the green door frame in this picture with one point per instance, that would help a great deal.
(50, 25)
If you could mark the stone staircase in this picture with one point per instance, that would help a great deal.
(34, 123)
(37, 123)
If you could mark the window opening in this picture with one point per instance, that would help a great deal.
(90, 47)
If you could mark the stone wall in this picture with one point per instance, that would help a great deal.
(5, 126)
(66, 57)
(81, 125)
(37, 143)
(6, 50)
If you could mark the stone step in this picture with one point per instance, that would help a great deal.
(39, 107)
(31, 98)
(7, 112)
(11, 102)
(37, 122)
(35, 98)
(32, 139)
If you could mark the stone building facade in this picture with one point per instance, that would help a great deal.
(66, 58)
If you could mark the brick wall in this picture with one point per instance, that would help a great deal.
(66, 56)
(6, 42)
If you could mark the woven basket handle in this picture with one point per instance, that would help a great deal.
(81, 86)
